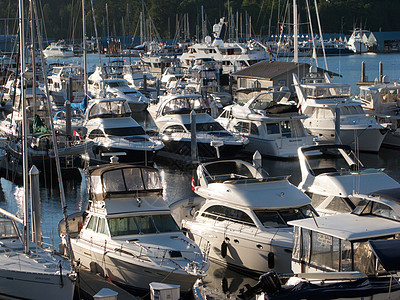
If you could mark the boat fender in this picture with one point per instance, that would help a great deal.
(224, 249)
(271, 260)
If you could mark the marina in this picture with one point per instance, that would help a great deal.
(227, 166)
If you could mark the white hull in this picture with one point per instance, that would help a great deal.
(364, 139)
(28, 285)
(245, 249)
(282, 148)
(135, 275)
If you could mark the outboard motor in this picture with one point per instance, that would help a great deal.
(268, 283)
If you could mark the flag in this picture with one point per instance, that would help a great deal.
(76, 134)
(193, 184)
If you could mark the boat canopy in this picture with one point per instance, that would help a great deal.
(116, 179)
(387, 252)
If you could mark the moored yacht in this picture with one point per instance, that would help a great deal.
(174, 120)
(383, 102)
(58, 50)
(243, 213)
(327, 104)
(115, 133)
(128, 234)
(333, 179)
(271, 123)
(101, 84)
(233, 55)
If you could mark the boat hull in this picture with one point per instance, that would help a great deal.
(25, 285)
(134, 276)
(364, 139)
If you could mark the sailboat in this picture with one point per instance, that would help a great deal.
(25, 273)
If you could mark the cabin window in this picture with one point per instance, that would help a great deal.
(92, 223)
(174, 129)
(364, 259)
(280, 218)
(123, 226)
(102, 228)
(146, 225)
(340, 205)
(242, 127)
(113, 181)
(152, 179)
(206, 127)
(365, 207)
(325, 251)
(242, 83)
(125, 131)
(133, 179)
(223, 213)
(273, 128)
(165, 223)
(254, 129)
(95, 133)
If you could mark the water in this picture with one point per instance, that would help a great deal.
(220, 282)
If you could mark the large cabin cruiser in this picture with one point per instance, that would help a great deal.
(345, 256)
(271, 123)
(102, 83)
(382, 101)
(115, 133)
(58, 50)
(333, 179)
(66, 83)
(243, 214)
(327, 104)
(128, 234)
(173, 118)
(233, 55)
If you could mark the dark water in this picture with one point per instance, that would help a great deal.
(220, 282)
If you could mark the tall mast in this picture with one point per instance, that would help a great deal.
(85, 81)
(295, 33)
(24, 124)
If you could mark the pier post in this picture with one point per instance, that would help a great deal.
(363, 71)
(69, 90)
(35, 205)
(193, 137)
(68, 129)
(380, 71)
(337, 126)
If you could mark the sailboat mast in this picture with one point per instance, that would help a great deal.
(24, 124)
(85, 81)
(295, 33)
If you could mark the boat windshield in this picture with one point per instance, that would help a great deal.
(109, 109)
(142, 225)
(279, 218)
(184, 105)
(327, 91)
(119, 83)
(365, 207)
(125, 131)
(206, 127)
(131, 179)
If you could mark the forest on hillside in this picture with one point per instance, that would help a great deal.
(183, 18)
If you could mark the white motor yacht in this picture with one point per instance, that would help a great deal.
(243, 213)
(101, 84)
(382, 101)
(233, 55)
(357, 41)
(173, 119)
(66, 83)
(110, 126)
(128, 234)
(332, 180)
(58, 50)
(271, 123)
(326, 104)
(344, 256)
